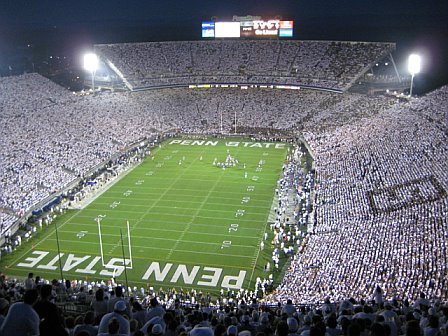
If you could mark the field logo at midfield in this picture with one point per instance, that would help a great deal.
(86, 265)
(249, 144)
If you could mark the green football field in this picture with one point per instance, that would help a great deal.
(192, 224)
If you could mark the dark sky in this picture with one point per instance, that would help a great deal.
(96, 13)
(416, 25)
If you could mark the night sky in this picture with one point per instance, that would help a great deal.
(416, 25)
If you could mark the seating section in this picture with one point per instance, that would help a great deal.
(380, 206)
(325, 64)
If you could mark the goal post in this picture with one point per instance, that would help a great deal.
(100, 237)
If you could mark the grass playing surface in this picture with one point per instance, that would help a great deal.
(192, 224)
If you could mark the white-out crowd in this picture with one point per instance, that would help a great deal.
(326, 64)
(400, 239)
(51, 137)
(395, 151)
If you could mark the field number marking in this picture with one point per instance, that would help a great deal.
(81, 234)
(99, 218)
(239, 213)
(254, 178)
(114, 205)
(233, 227)
(250, 188)
(245, 200)
(150, 173)
(139, 182)
(127, 193)
(226, 244)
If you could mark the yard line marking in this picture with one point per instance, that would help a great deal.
(183, 222)
(199, 208)
(159, 199)
(172, 214)
(43, 239)
(169, 230)
(168, 249)
(106, 187)
(141, 246)
(176, 200)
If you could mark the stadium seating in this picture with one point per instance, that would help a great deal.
(323, 64)
(381, 178)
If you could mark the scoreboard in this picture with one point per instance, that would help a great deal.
(248, 29)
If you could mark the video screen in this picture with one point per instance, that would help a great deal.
(227, 29)
(208, 29)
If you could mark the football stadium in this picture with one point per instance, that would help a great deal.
(268, 185)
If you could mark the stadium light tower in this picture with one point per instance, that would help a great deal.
(91, 64)
(414, 68)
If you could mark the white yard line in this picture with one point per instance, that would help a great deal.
(42, 240)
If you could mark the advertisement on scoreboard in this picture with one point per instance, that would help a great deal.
(286, 29)
(266, 28)
(248, 29)
(208, 29)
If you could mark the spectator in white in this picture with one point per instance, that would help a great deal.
(156, 330)
(155, 310)
(138, 313)
(390, 318)
(119, 297)
(113, 329)
(293, 326)
(378, 295)
(29, 282)
(199, 330)
(99, 304)
(22, 319)
(156, 320)
(119, 311)
(82, 296)
(87, 325)
(422, 302)
(289, 308)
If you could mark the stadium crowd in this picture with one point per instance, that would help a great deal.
(323, 64)
(380, 206)
(38, 307)
(89, 130)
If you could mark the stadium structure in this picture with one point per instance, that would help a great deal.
(379, 177)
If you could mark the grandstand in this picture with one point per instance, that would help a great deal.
(320, 64)
(380, 202)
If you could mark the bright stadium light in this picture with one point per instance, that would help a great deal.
(414, 68)
(91, 64)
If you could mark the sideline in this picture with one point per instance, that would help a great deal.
(93, 195)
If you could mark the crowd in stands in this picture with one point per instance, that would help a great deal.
(53, 137)
(381, 207)
(324, 64)
(37, 307)
(381, 179)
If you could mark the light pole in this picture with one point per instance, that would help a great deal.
(91, 64)
(414, 68)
